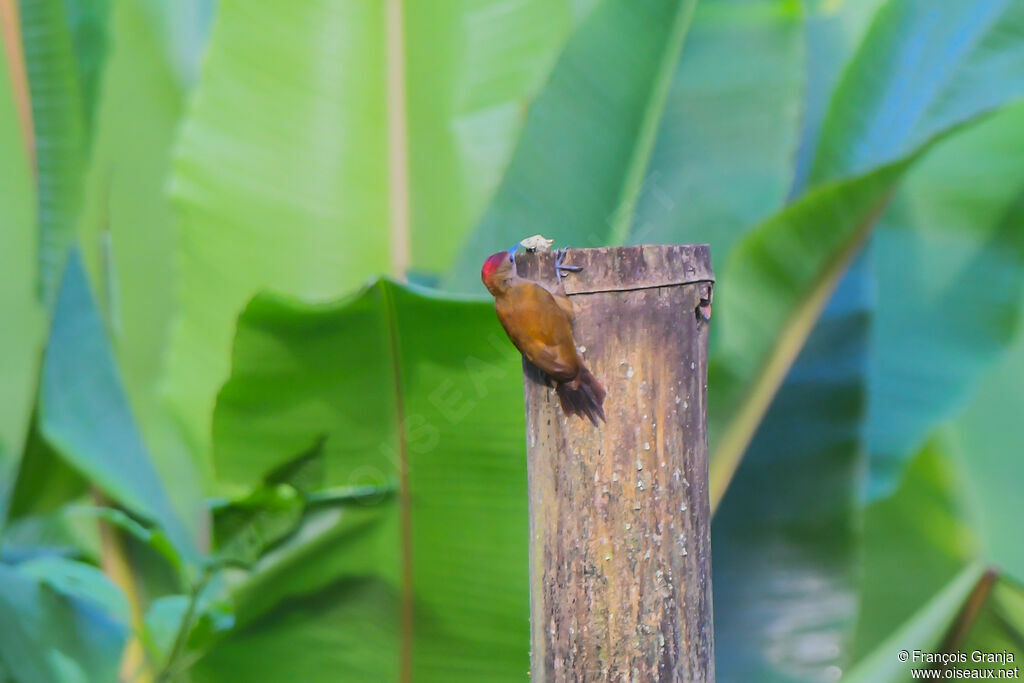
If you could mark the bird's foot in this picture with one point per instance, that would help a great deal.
(559, 266)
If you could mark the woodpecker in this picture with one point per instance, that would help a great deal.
(538, 320)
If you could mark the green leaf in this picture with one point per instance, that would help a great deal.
(580, 163)
(75, 579)
(916, 540)
(810, 443)
(957, 506)
(165, 618)
(162, 624)
(987, 440)
(87, 22)
(342, 632)
(470, 72)
(44, 481)
(923, 570)
(723, 155)
(127, 225)
(949, 263)
(750, 533)
(923, 631)
(185, 30)
(923, 68)
(999, 629)
(245, 529)
(833, 30)
(779, 277)
(305, 473)
(84, 413)
(398, 396)
(52, 534)
(787, 535)
(333, 544)
(60, 621)
(126, 222)
(60, 137)
(299, 170)
(153, 538)
(19, 305)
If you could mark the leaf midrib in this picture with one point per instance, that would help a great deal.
(406, 608)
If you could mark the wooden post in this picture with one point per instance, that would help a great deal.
(620, 550)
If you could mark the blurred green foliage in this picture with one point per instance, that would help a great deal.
(290, 466)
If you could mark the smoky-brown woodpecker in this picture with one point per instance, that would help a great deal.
(538, 320)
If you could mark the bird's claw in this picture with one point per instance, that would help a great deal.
(559, 266)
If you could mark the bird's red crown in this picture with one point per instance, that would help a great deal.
(493, 262)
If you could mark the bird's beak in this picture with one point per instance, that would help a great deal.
(512, 251)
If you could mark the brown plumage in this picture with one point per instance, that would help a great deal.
(539, 323)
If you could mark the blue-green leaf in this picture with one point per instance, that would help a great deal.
(60, 621)
(84, 413)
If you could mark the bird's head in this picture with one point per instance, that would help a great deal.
(498, 268)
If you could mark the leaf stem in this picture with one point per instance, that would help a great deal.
(10, 31)
(969, 613)
(398, 141)
(115, 564)
(185, 628)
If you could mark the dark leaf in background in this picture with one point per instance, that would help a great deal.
(786, 537)
(87, 23)
(44, 480)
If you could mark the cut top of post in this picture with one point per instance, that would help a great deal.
(616, 269)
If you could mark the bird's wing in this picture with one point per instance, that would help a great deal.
(540, 329)
(563, 302)
(562, 299)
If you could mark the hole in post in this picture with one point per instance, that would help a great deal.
(703, 310)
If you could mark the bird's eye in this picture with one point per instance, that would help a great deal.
(511, 258)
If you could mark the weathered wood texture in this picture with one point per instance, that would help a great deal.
(620, 554)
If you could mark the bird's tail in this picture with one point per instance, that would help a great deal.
(583, 396)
